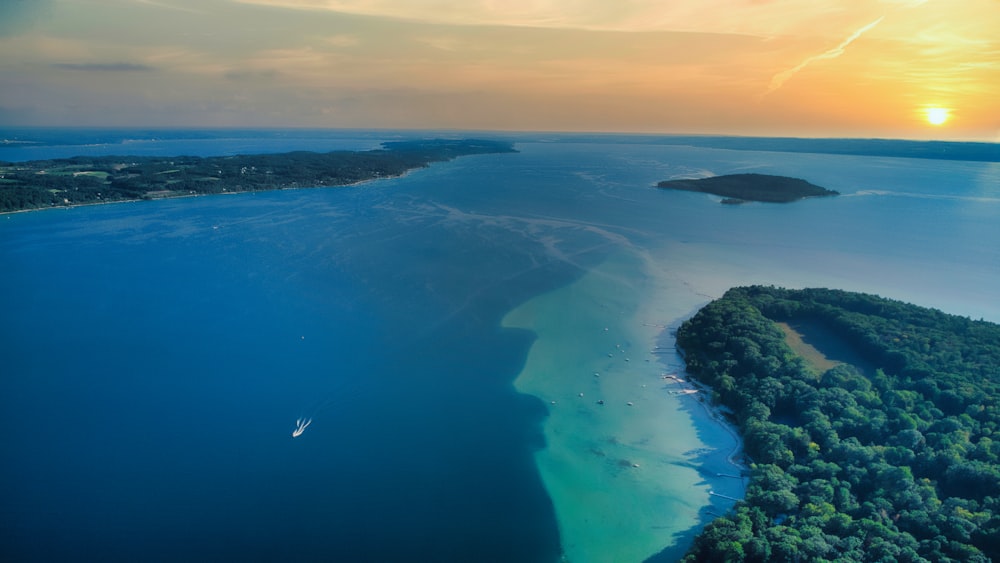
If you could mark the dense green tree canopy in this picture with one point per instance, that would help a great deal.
(896, 459)
(751, 187)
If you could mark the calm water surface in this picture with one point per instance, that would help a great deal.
(157, 354)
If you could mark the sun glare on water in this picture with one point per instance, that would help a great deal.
(936, 115)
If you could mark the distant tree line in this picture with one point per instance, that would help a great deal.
(77, 180)
(896, 148)
(898, 464)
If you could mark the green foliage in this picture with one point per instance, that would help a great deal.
(78, 180)
(897, 463)
(751, 187)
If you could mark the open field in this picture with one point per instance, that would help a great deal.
(819, 347)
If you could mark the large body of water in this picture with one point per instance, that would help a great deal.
(449, 333)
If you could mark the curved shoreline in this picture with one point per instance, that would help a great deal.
(716, 413)
(624, 460)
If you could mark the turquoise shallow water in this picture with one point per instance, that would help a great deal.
(157, 354)
(624, 463)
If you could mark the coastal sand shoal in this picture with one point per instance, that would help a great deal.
(620, 474)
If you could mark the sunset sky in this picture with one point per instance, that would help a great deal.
(872, 68)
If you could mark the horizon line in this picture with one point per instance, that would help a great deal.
(831, 137)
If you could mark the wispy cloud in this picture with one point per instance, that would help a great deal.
(17, 15)
(244, 75)
(708, 16)
(782, 77)
(343, 40)
(104, 67)
(167, 6)
(443, 43)
(632, 65)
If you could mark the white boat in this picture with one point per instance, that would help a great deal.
(300, 426)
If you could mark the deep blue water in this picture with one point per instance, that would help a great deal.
(156, 354)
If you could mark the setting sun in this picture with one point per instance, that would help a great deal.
(936, 115)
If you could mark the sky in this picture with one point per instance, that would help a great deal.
(921, 69)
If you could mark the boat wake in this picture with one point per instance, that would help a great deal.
(300, 426)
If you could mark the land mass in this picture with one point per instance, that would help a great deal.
(739, 188)
(42, 184)
(872, 425)
(892, 148)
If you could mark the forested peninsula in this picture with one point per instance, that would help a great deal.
(740, 188)
(872, 427)
(42, 184)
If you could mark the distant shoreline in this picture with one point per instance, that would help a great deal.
(72, 182)
(961, 151)
(185, 196)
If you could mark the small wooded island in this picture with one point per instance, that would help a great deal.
(41, 184)
(740, 188)
(872, 427)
